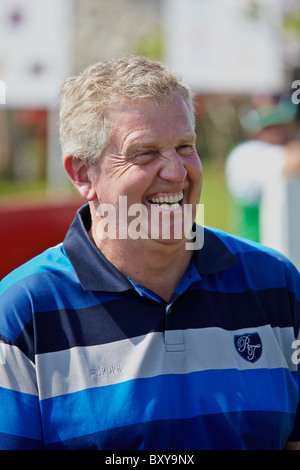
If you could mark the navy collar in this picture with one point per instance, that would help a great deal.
(96, 273)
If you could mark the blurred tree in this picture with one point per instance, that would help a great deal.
(292, 23)
(151, 45)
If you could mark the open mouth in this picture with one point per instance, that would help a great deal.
(172, 202)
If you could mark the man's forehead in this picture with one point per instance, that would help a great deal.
(148, 122)
(171, 105)
(149, 114)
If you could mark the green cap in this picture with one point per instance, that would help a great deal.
(257, 119)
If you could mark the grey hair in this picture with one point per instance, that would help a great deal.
(86, 98)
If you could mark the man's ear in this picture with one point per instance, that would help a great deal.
(79, 173)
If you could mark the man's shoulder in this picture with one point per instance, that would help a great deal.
(33, 280)
(237, 244)
(29, 287)
(258, 260)
(51, 260)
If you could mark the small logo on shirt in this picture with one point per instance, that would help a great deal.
(105, 370)
(249, 346)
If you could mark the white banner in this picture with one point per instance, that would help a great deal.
(35, 50)
(225, 46)
(280, 217)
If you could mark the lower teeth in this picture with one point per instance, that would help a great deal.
(168, 206)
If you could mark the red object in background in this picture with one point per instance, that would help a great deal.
(26, 231)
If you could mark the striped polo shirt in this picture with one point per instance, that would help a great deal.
(91, 360)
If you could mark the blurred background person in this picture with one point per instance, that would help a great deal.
(272, 149)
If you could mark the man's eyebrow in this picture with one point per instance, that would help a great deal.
(140, 145)
(187, 138)
(152, 144)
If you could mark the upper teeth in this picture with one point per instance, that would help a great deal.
(168, 199)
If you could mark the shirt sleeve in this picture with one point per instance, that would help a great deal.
(20, 421)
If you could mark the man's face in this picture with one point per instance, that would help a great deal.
(151, 159)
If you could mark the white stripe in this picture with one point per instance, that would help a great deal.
(146, 356)
(17, 372)
(2, 353)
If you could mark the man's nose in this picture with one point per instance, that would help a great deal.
(173, 168)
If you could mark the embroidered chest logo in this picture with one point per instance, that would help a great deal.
(249, 346)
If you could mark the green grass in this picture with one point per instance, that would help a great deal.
(8, 187)
(218, 205)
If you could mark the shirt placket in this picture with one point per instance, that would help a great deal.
(174, 338)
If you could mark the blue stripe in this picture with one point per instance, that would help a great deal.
(69, 295)
(20, 301)
(19, 414)
(100, 324)
(56, 291)
(9, 442)
(234, 280)
(238, 310)
(52, 259)
(14, 313)
(238, 244)
(261, 266)
(202, 433)
(167, 397)
(17, 298)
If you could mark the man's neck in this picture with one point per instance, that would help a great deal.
(155, 265)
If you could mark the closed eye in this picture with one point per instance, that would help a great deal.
(148, 152)
(185, 150)
(143, 157)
